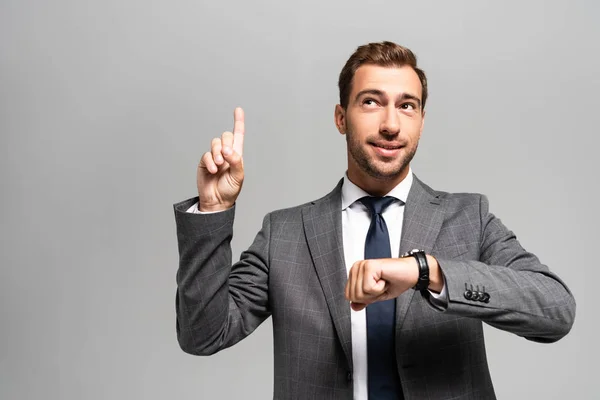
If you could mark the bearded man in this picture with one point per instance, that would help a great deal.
(377, 290)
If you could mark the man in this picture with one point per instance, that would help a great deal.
(378, 289)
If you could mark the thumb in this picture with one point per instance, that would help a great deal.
(236, 163)
(380, 286)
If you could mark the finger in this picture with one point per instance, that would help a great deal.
(358, 306)
(239, 130)
(231, 156)
(351, 282)
(379, 291)
(236, 164)
(238, 121)
(215, 148)
(369, 282)
(227, 140)
(374, 284)
(360, 283)
(347, 288)
(208, 163)
(353, 279)
(385, 295)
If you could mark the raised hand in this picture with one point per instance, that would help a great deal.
(221, 170)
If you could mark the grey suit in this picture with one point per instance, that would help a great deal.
(295, 272)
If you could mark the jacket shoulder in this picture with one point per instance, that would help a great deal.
(455, 199)
(329, 203)
(289, 212)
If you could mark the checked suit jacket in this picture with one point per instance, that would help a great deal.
(294, 271)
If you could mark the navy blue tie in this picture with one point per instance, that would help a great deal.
(383, 381)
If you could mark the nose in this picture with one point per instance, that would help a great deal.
(390, 124)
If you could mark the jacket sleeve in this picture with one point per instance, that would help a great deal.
(217, 303)
(525, 297)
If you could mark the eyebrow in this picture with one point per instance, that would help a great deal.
(377, 92)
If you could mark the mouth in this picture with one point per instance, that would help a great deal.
(387, 149)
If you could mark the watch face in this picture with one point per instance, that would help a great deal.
(413, 251)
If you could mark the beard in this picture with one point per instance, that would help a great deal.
(374, 166)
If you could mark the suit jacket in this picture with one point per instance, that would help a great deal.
(295, 272)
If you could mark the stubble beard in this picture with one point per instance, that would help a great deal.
(370, 166)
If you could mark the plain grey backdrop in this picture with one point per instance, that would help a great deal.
(107, 106)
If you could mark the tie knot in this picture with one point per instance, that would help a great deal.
(377, 204)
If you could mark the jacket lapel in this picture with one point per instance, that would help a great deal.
(423, 217)
(323, 229)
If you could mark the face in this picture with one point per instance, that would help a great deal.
(382, 123)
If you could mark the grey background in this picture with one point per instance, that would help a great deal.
(107, 106)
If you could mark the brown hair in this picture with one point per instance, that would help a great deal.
(384, 54)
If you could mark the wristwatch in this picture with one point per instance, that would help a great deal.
(419, 255)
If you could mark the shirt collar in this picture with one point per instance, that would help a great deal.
(351, 192)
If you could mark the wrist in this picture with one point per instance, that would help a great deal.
(422, 271)
(214, 207)
(436, 279)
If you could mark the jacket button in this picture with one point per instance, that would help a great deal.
(468, 294)
(349, 377)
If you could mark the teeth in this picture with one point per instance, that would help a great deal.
(387, 148)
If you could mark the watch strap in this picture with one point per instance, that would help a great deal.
(423, 281)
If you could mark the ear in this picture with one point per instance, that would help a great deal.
(340, 119)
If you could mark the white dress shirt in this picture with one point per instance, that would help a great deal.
(356, 219)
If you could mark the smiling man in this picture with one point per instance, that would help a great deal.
(379, 289)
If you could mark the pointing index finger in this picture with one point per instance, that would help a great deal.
(239, 130)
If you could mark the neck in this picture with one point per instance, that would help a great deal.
(376, 186)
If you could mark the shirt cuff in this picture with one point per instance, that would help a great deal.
(194, 210)
(439, 301)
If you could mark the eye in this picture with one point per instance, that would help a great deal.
(408, 106)
(369, 102)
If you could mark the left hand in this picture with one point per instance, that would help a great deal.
(382, 279)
